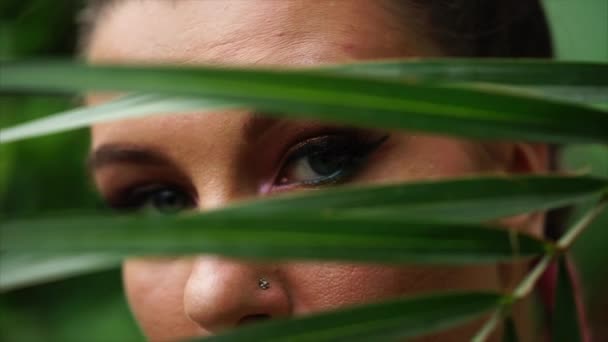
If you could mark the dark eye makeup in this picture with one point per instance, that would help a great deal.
(327, 159)
(154, 198)
(316, 161)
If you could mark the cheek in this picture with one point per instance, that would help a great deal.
(155, 289)
(322, 286)
(409, 157)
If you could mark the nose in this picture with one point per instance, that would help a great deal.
(223, 293)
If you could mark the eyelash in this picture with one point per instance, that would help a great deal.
(346, 151)
(135, 197)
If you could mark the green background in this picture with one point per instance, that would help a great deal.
(48, 174)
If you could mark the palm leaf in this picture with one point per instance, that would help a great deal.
(394, 320)
(293, 236)
(575, 81)
(565, 320)
(478, 113)
(464, 200)
(525, 72)
(129, 106)
(19, 270)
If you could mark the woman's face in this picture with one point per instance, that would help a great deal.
(206, 160)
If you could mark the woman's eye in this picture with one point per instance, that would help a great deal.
(325, 160)
(156, 198)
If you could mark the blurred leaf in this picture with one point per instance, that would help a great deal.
(589, 252)
(381, 223)
(364, 101)
(392, 320)
(464, 200)
(565, 317)
(318, 237)
(509, 330)
(37, 27)
(20, 270)
(592, 159)
(125, 107)
(501, 71)
(93, 306)
(591, 255)
(574, 81)
(571, 21)
(45, 175)
(596, 96)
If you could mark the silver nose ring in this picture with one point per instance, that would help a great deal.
(263, 284)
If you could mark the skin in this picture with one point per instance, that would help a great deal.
(223, 157)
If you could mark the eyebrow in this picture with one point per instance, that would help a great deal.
(109, 154)
(255, 126)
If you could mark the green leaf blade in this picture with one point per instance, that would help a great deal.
(383, 223)
(566, 325)
(461, 199)
(509, 333)
(401, 318)
(20, 269)
(342, 99)
(127, 107)
(277, 237)
(526, 72)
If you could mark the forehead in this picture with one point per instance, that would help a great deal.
(281, 32)
(238, 32)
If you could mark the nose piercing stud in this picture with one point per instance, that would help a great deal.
(263, 284)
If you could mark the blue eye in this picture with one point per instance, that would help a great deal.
(157, 198)
(325, 160)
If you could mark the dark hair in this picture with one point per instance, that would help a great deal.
(473, 28)
(482, 28)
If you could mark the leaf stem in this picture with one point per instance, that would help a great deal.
(521, 291)
(525, 287)
(488, 327)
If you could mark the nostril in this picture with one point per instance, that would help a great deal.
(253, 318)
